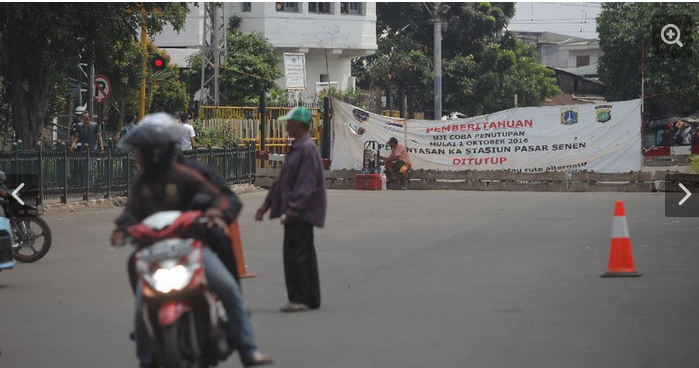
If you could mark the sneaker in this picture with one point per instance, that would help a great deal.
(256, 359)
(293, 308)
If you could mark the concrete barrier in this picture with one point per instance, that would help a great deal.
(502, 181)
(669, 160)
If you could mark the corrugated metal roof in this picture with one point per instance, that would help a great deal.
(582, 71)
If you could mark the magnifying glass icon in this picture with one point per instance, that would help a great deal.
(673, 33)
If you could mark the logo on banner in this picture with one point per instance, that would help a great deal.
(569, 116)
(603, 113)
(360, 115)
(394, 125)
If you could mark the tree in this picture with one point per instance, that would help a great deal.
(483, 66)
(166, 92)
(249, 68)
(44, 42)
(122, 65)
(623, 29)
(398, 63)
(489, 83)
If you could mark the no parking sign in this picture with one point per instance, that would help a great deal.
(103, 88)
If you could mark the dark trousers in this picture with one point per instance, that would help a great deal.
(301, 265)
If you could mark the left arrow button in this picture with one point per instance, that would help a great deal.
(14, 194)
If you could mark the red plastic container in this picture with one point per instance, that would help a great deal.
(368, 181)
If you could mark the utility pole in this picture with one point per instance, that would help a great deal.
(437, 65)
(91, 89)
(213, 50)
(144, 46)
(438, 11)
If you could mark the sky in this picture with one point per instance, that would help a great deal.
(568, 18)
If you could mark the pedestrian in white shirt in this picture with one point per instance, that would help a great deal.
(187, 131)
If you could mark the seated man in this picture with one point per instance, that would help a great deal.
(398, 161)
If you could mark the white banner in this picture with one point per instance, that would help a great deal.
(295, 71)
(602, 137)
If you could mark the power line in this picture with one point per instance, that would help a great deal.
(580, 5)
(671, 92)
(551, 22)
(544, 19)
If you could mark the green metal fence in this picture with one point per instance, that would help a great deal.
(59, 175)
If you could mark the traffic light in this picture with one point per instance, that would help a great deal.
(158, 62)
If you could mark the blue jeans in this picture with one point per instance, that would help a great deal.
(222, 283)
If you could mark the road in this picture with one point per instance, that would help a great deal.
(409, 279)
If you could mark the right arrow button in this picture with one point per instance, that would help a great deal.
(689, 194)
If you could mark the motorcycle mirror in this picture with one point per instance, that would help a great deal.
(202, 201)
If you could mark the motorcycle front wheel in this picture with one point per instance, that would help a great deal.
(180, 347)
(31, 238)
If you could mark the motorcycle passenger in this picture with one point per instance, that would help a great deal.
(166, 185)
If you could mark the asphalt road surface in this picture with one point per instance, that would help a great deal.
(409, 279)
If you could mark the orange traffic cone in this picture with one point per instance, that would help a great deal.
(234, 233)
(620, 257)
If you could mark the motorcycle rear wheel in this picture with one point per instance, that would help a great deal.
(28, 232)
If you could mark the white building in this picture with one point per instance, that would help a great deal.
(562, 51)
(329, 34)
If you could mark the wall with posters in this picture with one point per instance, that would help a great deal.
(596, 137)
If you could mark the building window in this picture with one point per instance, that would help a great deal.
(351, 8)
(247, 7)
(582, 60)
(320, 8)
(287, 7)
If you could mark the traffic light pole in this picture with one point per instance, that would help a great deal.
(142, 94)
(437, 64)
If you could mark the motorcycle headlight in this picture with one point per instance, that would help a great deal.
(175, 278)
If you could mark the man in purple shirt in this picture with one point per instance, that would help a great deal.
(298, 197)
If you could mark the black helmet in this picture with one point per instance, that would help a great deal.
(157, 137)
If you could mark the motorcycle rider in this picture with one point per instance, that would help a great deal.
(166, 185)
(216, 237)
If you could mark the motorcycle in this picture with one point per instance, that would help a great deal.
(185, 320)
(7, 260)
(31, 235)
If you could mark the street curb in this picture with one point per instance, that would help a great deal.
(96, 204)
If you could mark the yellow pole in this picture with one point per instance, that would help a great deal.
(144, 40)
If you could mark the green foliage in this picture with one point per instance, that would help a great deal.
(166, 92)
(623, 29)
(351, 96)
(122, 67)
(482, 67)
(5, 107)
(44, 42)
(276, 97)
(399, 63)
(488, 83)
(214, 137)
(694, 164)
(250, 67)
(470, 26)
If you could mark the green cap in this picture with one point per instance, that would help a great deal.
(300, 114)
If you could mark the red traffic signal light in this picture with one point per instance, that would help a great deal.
(158, 62)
